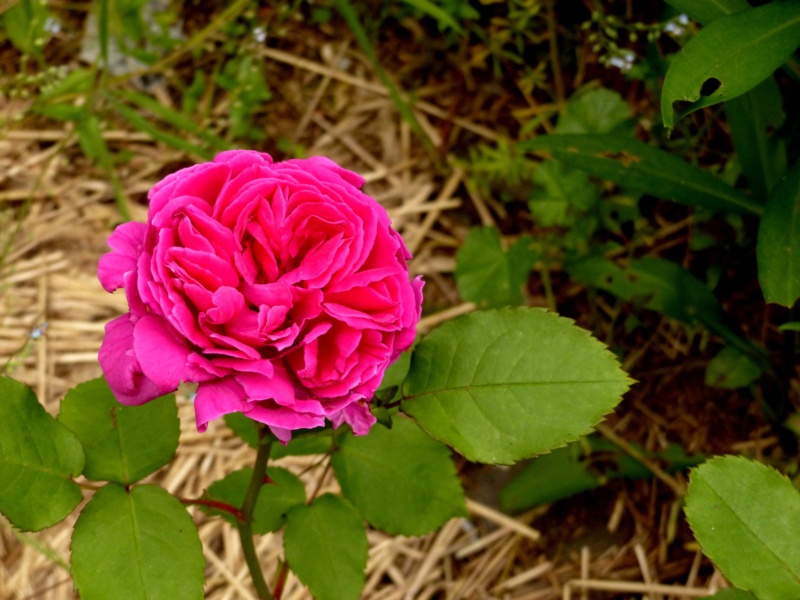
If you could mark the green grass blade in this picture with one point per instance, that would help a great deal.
(403, 107)
(145, 126)
(172, 117)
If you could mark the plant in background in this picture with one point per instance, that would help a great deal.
(740, 511)
(283, 291)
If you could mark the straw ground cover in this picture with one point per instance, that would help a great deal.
(63, 188)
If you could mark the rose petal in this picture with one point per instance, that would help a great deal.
(217, 398)
(274, 415)
(126, 241)
(162, 357)
(121, 369)
(357, 415)
(204, 181)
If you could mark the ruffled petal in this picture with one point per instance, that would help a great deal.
(126, 242)
(162, 357)
(121, 369)
(357, 415)
(217, 398)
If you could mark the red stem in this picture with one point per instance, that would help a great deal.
(215, 504)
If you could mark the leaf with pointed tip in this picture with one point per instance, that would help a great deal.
(751, 118)
(122, 443)
(503, 385)
(778, 246)
(136, 544)
(741, 513)
(643, 168)
(326, 546)
(38, 458)
(729, 57)
(705, 11)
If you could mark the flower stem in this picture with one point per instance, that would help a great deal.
(246, 523)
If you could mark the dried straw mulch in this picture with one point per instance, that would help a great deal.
(332, 103)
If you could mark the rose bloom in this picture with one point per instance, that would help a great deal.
(280, 288)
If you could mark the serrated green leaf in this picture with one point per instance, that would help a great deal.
(136, 544)
(122, 443)
(563, 193)
(730, 369)
(743, 514)
(705, 11)
(38, 458)
(326, 546)
(751, 119)
(778, 247)
(485, 274)
(729, 57)
(596, 111)
(284, 491)
(400, 480)
(503, 385)
(643, 168)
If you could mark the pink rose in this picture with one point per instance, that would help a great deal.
(280, 288)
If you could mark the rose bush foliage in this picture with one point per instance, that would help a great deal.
(280, 288)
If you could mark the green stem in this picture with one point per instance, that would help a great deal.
(548, 287)
(246, 524)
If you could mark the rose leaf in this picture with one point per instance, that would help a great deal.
(326, 546)
(122, 443)
(740, 512)
(399, 479)
(38, 458)
(502, 385)
(137, 543)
